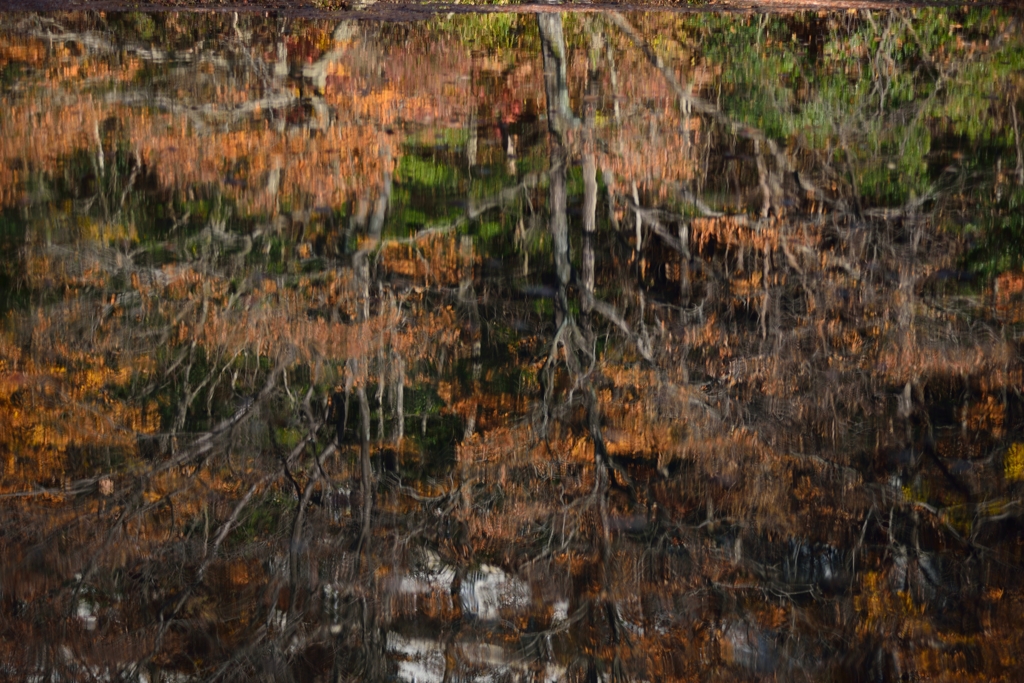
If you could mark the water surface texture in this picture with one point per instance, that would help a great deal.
(511, 347)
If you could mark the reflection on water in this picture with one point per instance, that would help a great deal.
(500, 347)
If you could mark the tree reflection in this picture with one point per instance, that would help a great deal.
(330, 355)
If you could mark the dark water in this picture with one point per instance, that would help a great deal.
(589, 347)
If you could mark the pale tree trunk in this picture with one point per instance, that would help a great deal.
(366, 471)
(590, 177)
(467, 296)
(556, 88)
(398, 400)
(472, 144)
(556, 83)
(380, 208)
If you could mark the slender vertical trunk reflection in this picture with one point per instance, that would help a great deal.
(380, 208)
(366, 483)
(556, 88)
(592, 578)
(398, 400)
(556, 82)
(468, 300)
(472, 144)
(590, 171)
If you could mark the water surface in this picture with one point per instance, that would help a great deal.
(512, 347)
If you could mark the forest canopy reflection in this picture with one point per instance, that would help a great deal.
(503, 347)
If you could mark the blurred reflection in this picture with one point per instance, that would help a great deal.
(500, 347)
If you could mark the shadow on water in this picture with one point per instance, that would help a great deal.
(584, 346)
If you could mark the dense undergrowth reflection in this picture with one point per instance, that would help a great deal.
(568, 347)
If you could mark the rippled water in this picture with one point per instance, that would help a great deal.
(501, 347)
